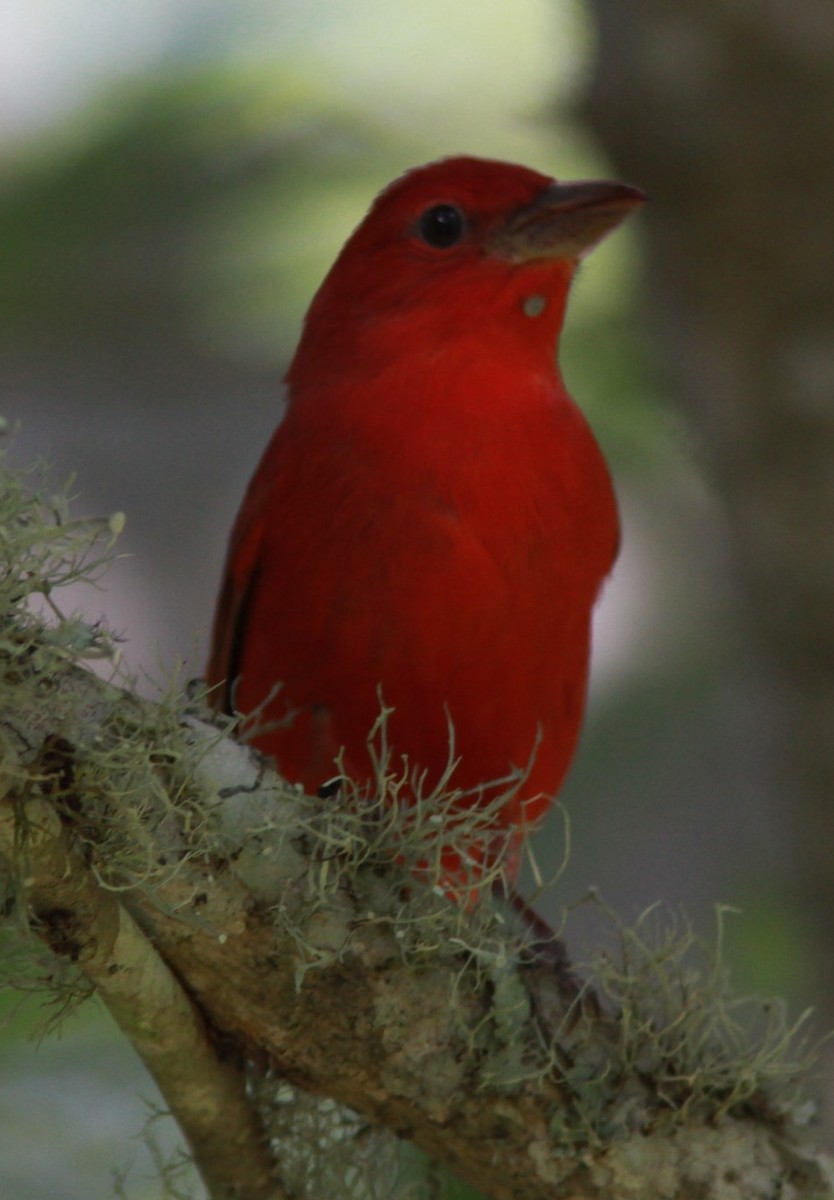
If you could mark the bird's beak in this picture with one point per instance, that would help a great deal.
(565, 221)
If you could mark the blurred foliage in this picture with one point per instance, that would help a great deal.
(607, 355)
(772, 947)
(113, 229)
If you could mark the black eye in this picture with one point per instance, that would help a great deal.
(442, 226)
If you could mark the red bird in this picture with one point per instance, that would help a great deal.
(433, 519)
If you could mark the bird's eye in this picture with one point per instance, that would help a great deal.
(442, 226)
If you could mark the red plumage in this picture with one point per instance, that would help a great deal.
(433, 517)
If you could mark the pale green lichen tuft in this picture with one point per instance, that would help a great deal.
(42, 550)
(699, 1051)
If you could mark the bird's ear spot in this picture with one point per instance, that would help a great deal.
(534, 305)
(442, 226)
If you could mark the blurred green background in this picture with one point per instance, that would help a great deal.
(176, 178)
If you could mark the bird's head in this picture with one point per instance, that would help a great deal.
(462, 248)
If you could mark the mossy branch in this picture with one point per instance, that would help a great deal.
(247, 937)
(80, 920)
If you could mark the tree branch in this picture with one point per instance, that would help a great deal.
(225, 917)
(85, 922)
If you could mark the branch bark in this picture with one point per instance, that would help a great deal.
(251, 939)
(205, 1092)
